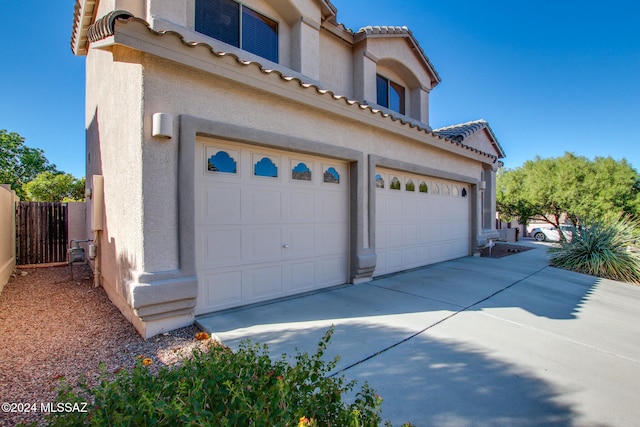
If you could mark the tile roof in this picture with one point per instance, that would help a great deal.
(462, 131)
(105, 27)
(382, 30)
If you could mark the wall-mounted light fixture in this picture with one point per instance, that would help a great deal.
(482, 185)
(162, 125)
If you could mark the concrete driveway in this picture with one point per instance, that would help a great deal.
(471, 342)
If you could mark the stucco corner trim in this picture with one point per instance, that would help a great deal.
(161, 295)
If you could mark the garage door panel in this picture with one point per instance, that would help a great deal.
(264, 237)
(410, 257)
(416, 228)
(331, 270)
(333, 207)
(266, 282)
(224, 203)
(394, 208)
(223, 288)
(394, 234)
(266, 205)
(301, 242)
(333, 239)
(264, 244)
(222, 246)
(410, 209)
(394, 259)
(303, 276)
(410, 233)
(301, 207)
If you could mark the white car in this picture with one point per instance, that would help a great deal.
(550, 234)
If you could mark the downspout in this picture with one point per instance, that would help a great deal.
(97, 225)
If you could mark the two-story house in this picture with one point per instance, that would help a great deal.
(243, 151)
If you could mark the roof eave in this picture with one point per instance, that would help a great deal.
(83, 17)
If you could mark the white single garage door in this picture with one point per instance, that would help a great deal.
(269, 223)
(419, 221)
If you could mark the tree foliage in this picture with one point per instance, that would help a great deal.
(31, 175)
(20, 164)
(544, 189)
(55, 187)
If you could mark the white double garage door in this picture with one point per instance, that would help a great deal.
(272, 223)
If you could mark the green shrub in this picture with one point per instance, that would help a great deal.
(218, 387)
(602, 249)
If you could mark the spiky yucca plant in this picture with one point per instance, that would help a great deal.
(602, 249)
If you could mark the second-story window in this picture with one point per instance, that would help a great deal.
(238, 25)
(390, 94)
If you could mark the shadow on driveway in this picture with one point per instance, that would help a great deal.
(473, 341)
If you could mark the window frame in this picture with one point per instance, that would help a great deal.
(389, 86)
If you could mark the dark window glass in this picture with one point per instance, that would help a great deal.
(390, 94)
(220, 19)
(396, 97)
(382, 85)
(259, 34)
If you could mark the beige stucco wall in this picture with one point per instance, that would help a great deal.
(8, 201)
(114, 130)
(336, 65)
(140, 253)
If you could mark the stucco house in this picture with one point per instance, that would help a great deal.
(239, 152)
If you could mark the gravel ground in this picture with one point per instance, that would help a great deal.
(52, 327)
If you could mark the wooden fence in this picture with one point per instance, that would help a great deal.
(41, 230)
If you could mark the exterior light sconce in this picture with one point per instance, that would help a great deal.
(162, 125)
(482, 185)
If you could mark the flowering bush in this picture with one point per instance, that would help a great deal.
(218, 387)
(200, 336)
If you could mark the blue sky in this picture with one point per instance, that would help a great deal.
(548, 76)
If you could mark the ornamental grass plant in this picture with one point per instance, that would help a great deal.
(604, 249)
(219, 387)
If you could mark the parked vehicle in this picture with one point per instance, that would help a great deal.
(550, 234)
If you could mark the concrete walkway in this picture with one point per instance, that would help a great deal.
(471, 342)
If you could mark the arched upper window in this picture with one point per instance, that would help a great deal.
(332, 176)
(265, 167)
(395, 184)
(379, 181)
(301, 172)
(222, 162)
(410, 186)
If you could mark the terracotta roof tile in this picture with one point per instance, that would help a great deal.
(462, 131)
